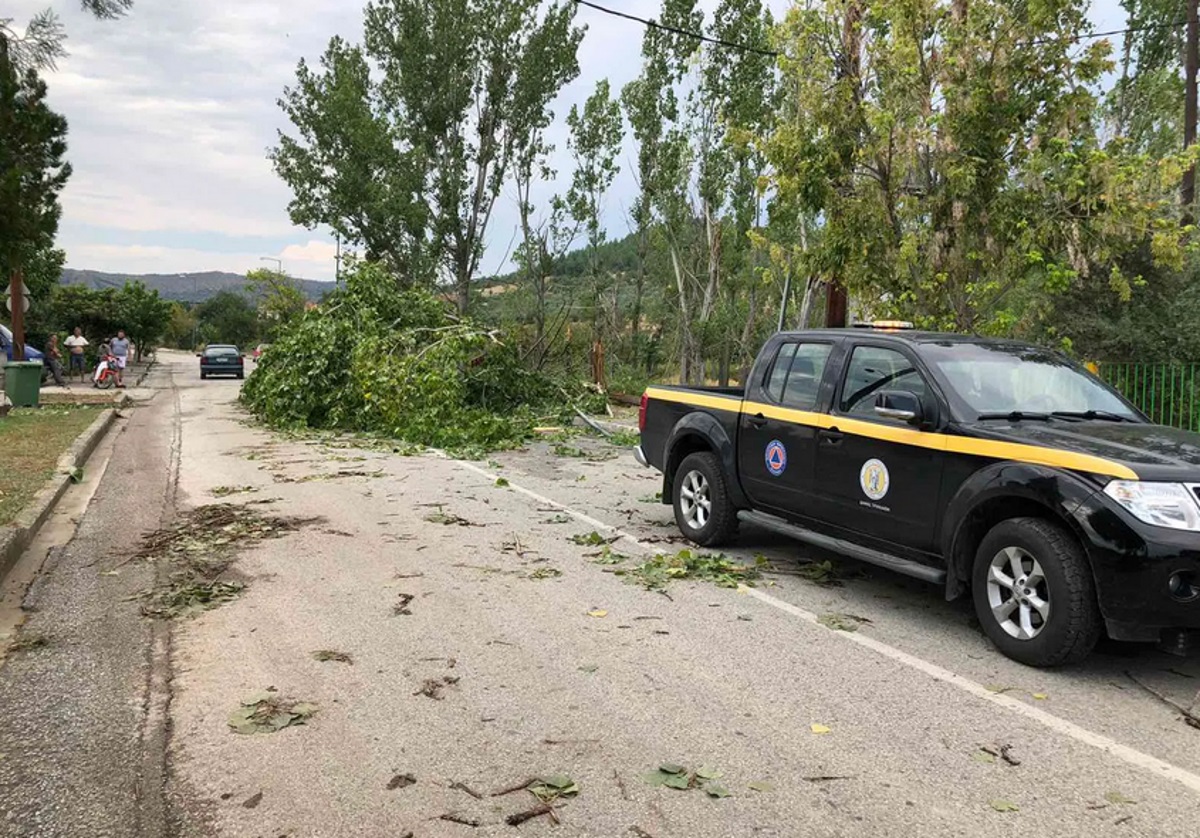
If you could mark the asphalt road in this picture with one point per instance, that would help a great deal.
(540, 662)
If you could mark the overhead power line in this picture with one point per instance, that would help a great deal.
(698, 36)
(770, 53)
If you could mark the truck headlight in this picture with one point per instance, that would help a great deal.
(1162, 504)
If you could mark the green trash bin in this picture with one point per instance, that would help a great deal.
(23, 382)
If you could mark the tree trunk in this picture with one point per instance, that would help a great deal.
(685, 321)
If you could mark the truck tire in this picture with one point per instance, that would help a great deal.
(1034, 594)
(703, 510)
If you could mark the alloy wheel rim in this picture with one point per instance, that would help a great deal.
(695, 500)
(1018, 594)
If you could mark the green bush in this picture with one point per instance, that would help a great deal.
(401, 364)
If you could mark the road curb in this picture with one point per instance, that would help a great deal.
(15, 537)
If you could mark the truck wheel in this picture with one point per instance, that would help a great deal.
(703, 510)
(1034, 593)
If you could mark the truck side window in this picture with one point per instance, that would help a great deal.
(779, 371)
(873, 369)
(804, 378)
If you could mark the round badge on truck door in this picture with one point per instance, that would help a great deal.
(776, 457)
(874, 479)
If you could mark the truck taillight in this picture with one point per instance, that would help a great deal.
(642, 412)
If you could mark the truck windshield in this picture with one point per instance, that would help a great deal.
(996, 379)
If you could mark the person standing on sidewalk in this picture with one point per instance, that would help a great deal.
(120, 350)
(76, 343)
(54, 361)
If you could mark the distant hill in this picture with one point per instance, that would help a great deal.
(188, 288)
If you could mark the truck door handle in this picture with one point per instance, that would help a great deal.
(758, 420)
(831, 438)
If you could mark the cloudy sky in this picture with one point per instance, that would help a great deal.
(172, 111)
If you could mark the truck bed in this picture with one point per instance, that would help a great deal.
(666, 405)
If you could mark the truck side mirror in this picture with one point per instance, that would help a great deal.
(900, 405)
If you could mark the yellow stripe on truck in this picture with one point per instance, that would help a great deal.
(950, 443)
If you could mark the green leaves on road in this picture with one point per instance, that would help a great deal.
(724, 572)
(680, 778)
(200, 548)
(266, 712)
(551, 788)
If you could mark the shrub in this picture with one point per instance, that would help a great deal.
(402, 364)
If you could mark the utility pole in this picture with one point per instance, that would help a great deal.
(17, 295)
(1192, 60)
(337, 260)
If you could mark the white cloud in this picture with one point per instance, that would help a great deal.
(313, 253)
(314, 260)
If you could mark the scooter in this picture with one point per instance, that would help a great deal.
(106, 372)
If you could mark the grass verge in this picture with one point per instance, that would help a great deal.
(31, 441)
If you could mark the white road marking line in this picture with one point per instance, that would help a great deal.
(1110, 746)
(579, 516)
(1132, 756)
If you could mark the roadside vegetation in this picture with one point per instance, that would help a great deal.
(395, 362)
(31, 441)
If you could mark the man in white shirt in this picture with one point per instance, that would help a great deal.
(76, 343)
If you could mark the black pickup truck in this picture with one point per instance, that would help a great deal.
(987, 466)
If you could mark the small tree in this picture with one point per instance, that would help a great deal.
(280, 300)
(595, 140)
(32, 169)
(228, 318)
(143, 315)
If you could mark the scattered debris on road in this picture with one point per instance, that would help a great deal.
(200, 548)
(328, 655)
(463, 787)
(656, 573)
(401, 781)
(27, 641)
(1189, 718)
(401, 609)
(842, 622)
(252, 801)
(266, 712)
(1003, 752)
(434, 687)
(448, 519)
(674, 776)
(226, 491)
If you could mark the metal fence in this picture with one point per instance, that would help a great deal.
(1164, 392)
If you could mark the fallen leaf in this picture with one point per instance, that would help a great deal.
(401, 781)
(253, 800)
(819, 729)
(706, 773)
(599, 612)
(257, 698)
(716, 790)
(1040, 696)
(678, 781)
(672, 768)
(983, 756)
(761, 785)
(999, 690)
(589, 668)
(1119, 799)
(1004, 806)
(558, 781)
